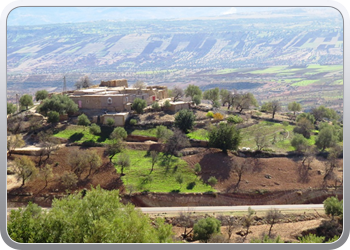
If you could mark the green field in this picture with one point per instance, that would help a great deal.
(270, 70)
(145, 132)
(304, 83)
(277, 141)
(200, 134)
(80, 134)
(163, 178)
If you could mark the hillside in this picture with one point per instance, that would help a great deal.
(211, 51)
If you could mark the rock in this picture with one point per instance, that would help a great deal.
(319, 172)
(299, 192)
(276, 183)
(267, 176)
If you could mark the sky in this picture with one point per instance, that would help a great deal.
(53, 15)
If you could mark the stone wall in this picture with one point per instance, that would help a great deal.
(114, 83)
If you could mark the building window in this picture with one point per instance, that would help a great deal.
(126, 99)
(109, 100)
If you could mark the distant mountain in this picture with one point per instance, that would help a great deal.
(23, 16)
(40, 55)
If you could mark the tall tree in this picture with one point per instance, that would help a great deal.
(294, 107)
(245, 101)
(26, 101)
(177, 93)
(41, 95)
(304, 127)
(123, 161)
(273, 107)
(24, 169)
(212, 95)
(192, 91)
(93, 160)
(139, 85)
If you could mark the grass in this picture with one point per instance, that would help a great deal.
(304, 83)
(270, 70)
(200, 134)
(162, 179)
(277, 142)
(80, 134)
(145, 132)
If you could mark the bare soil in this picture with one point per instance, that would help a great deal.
(283, 172)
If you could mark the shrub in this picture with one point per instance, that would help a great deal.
(83, 120)
(205, 228)
(234, 119)
(285, 123)
(138, 105)
(218, 117)
(210, 114)
(53, 117)
(184, 120)
(110, 122)
(167, 104)
(155, 106)
(225, 137)
(197, 168)
(133, 122)
(212, 180)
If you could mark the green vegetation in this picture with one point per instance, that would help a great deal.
(145, 132)
(138, 105)
(41, 95)
(59, 103)
(53, 117)
(98, 217)
(184, 120)
(76, 133)
(206, 228)
(199, 134)
(26, 101)
(11, 108)
(304, 83)
(162, 177)
(224, 136)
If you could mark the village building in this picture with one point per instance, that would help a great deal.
(113, 99)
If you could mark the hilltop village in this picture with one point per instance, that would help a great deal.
(160, 147)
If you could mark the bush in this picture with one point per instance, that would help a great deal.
(218, 117)
(83, 120)
(167, 104)
(110, 122)
(133, 122)
(155, 106)
(212, 180)
(41, 95)
(138, 105)
(184, 120)
(98, 217)
(53, 117)
(225, 137)
(210, 114)
(205, 228)
(333, 206)
(234, 119)
(197, 168)
(285, 123)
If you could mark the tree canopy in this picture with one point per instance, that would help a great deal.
(138, 105)
(212, 95)
(98, 217)
(41, 95)
(59, 103)
(192, 91)
(26, 101)
(184, 120)
(11, 108)
(83, 82)
(225, 137)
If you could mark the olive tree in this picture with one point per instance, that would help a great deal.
(225, 137)
(24, 169)
(98, 217)
(26, 101)
(184, 120)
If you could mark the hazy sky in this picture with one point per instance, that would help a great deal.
(50, 15)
